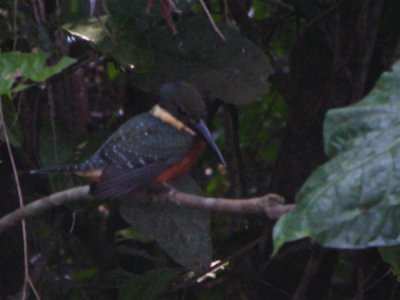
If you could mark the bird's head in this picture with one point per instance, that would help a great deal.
(185, 103)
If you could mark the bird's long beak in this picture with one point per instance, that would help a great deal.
(205, 133)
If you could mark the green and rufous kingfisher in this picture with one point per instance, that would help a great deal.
(150, 148)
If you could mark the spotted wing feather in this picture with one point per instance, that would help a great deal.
(135, 154)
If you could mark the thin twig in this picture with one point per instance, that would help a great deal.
(27, 279)
(52, 112)
(35, 12)
(42, 10)
(380, 279)
(323, 14)
(15, 25)
(280, 3)
(33, 288)
(235, 163)
(42, 259)
(311, 269)
(211, 19)
(271, 205)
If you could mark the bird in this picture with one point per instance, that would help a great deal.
(150, 148)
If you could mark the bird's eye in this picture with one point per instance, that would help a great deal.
(185, 114)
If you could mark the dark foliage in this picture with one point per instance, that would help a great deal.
(284, 64)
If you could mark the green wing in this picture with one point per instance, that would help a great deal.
(137, 152)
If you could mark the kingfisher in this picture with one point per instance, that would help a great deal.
(151, 148)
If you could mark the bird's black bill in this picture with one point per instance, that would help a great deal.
(205, 133)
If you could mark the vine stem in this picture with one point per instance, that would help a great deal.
(27, 279)
(211, 19)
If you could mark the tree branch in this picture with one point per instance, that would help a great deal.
(39, 206)
(271, 205)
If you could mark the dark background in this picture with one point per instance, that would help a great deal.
(323, 54)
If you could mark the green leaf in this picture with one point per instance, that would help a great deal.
(16, 65)
(234, 70)
(353, 200)
(92, 29)
(148, 286)
(112, 71)
(391, 255)
(260, 10)
(131, 234)
(182, 232)
(85, 274)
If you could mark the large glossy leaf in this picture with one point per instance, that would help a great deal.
(234, 70)
(182, 232)
(353, 201)
(16, 67)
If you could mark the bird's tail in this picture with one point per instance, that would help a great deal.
(59, 169)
